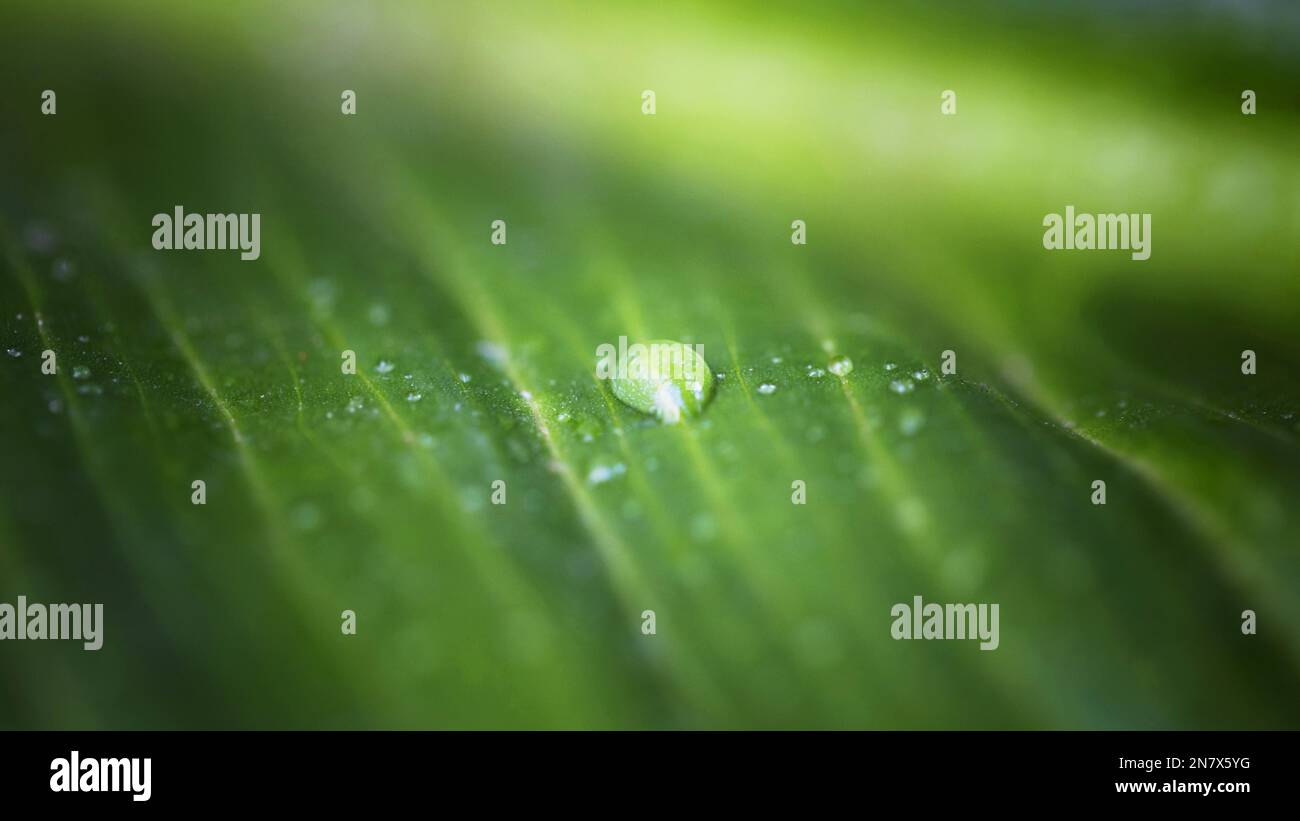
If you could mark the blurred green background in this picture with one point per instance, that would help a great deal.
(371, 492)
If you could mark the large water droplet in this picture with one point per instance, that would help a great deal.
(664, 378)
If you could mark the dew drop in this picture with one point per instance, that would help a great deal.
(671, 382)
(414, 397)
(902, 386)
(14, 352)
(80, 372)
(603, 473)
(889, 366)
(384, 366)
(841, 366)
(911, 421)
(767, 389)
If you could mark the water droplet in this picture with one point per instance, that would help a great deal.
(767, 389)
(14, 352)
(902, 386)
(841, 366)
(675, 383)
(64, 270)
(776, 360)
(889, 366)
(55, 406)
(384, 366)
(921, 375)
(464, 377)
(355, 404)
(816, 373)
(603, 473)
(911, 421)
(80, 372)
(492, 352)
(306, 516)
(40, 237)
(378, 314)
(414, 397)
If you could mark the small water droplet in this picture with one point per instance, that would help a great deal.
(464, 377)
(378, 314)
(816, 373)
(80, 372)
(14, 352)
(55, 406)
(355, 404)
(889, 366)
(64, 270)
(414, 397)
(841, 366)
(767, 389)
(492, 352)
(603, 473)
(384, 366)
(921, 375)
(776, 360)
(902, 386)
(911, 421)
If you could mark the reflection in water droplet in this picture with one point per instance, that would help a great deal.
(841, 366)
(767, 389)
